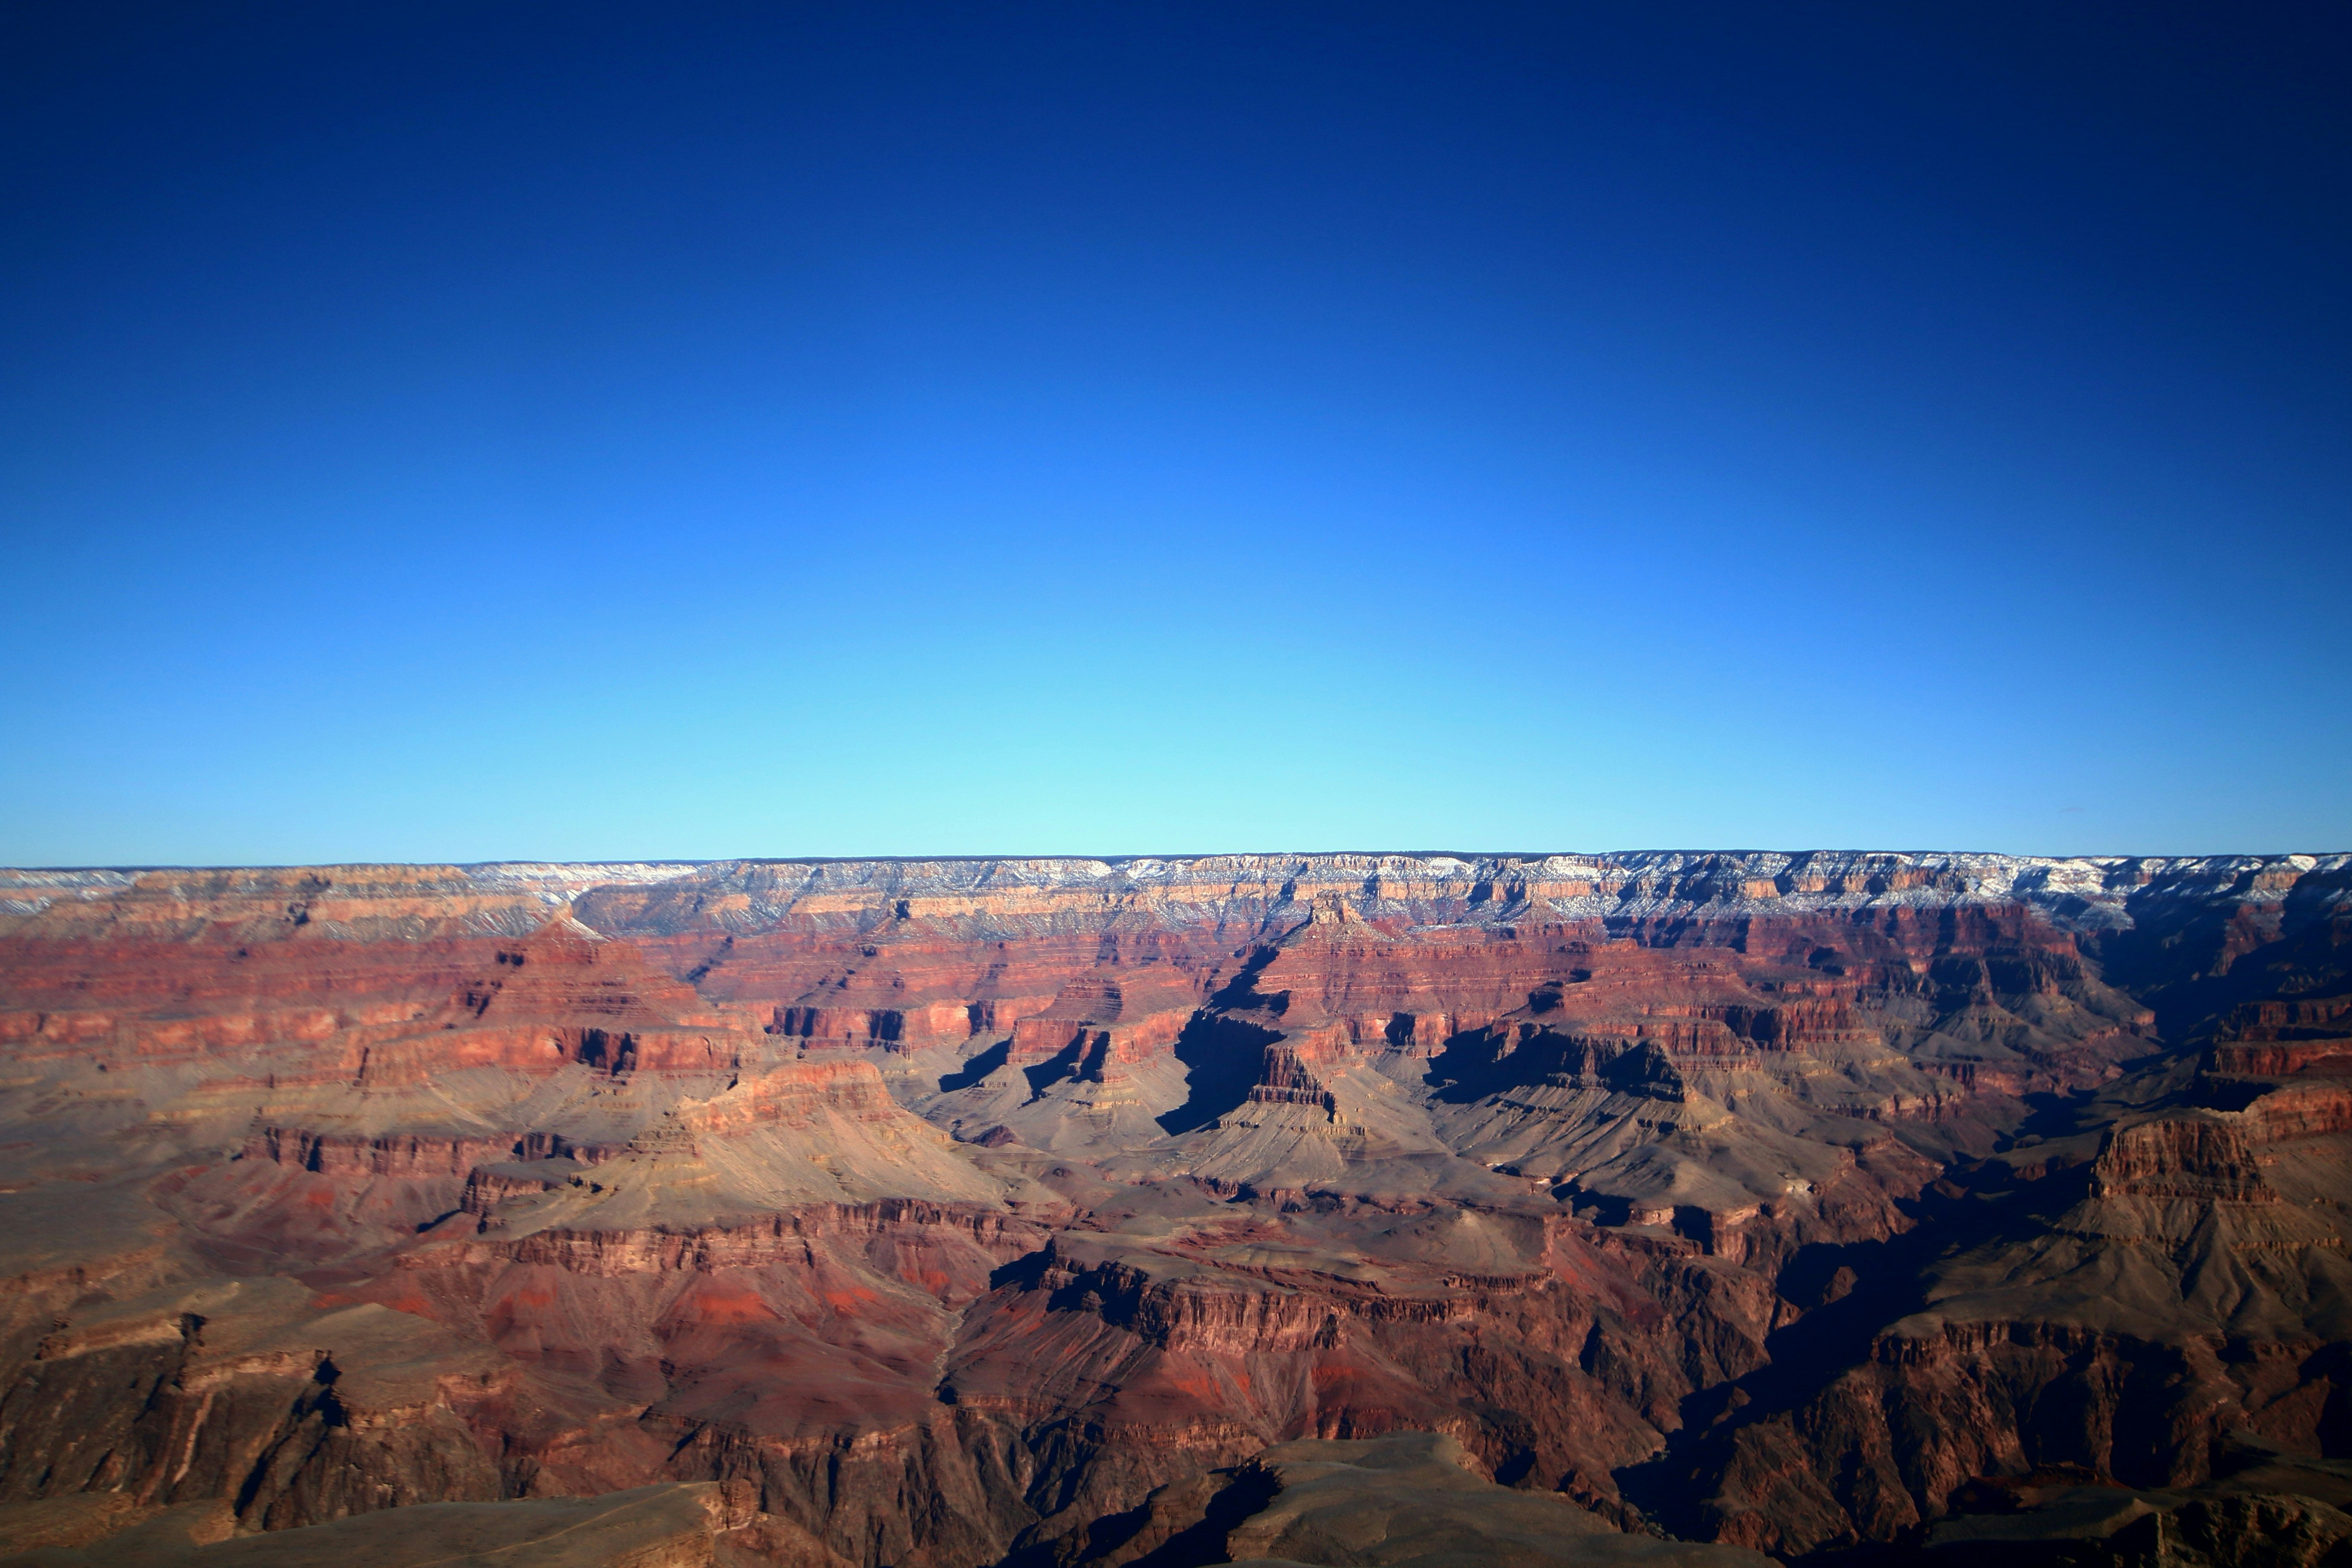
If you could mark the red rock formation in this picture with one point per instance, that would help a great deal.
(1648, 1178)
(2181, 1157)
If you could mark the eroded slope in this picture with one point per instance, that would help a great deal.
(954, 1208)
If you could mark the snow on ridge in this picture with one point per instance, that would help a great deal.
(581, 874)
(2078, 892)
(2082, 893)
(1646, 877)
(14, 877)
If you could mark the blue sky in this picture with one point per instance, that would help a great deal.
(533, 431)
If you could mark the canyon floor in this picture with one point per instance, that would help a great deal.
(1394, 1209)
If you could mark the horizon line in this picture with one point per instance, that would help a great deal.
(1129, 858)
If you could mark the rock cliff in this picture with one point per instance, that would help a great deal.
(958, 1212)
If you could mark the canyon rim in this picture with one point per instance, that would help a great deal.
(1057, 1211)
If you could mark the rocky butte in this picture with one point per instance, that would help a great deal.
(1395, 1209)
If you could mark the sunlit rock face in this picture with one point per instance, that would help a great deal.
(943, 1213)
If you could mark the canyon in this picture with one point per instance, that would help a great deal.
(1396, 1208)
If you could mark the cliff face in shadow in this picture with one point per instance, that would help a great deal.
(942, 1213)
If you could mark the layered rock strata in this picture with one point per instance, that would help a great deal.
(942, 1212)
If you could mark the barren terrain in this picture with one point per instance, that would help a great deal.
(1660, 1206)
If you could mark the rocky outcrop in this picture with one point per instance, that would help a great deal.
(2200, 1157)
(942, 1211)
(1409, 1499)
(693, 1525)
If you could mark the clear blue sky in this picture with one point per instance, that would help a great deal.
(464, 432)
